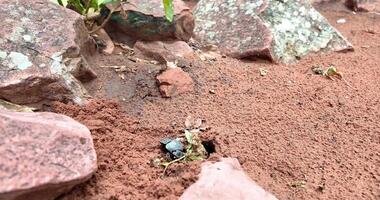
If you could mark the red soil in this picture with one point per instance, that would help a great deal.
(125, 150)
(287, 127)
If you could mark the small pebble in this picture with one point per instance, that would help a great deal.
(341, 21)
(174, 145)
(178, 154)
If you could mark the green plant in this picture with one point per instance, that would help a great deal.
(169, 9)
(194, 151)
(86, 7)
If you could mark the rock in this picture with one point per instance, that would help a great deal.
(330, 5)
(174, 82)
(165, 141)
(341, 21)
(34, 86)
(325, 1)
(164, 51)
(191, 3)
(175, 148)
(104, 42)
(225, 180)
(282, 31)
(174, 145)
(355, 5)
(145, 20)
(43, 155)
(80, 69)
(364, 5)
(40, 44)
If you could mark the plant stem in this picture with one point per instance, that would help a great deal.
(171, 162)
(107, 19)
(88, 6)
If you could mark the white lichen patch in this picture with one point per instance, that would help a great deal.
(17, 33)
(3, 55)
(27, 38)
(15, 60)
(56, 66)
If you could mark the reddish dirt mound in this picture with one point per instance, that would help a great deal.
(124, 153)
(299, 135)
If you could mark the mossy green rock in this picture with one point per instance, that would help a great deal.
(145, 20)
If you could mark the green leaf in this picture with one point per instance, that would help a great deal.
(93, 4)
(77, 4)
(60, 2)
(169, 9)
(102, 2)
(331, 71)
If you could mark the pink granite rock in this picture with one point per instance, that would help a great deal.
(281, 31)
(33, 85)
(42, 155)
(225, 180)
(40, 44)
(164, 51)
(174, 82)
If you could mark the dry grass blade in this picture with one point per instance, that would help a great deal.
(14, 107)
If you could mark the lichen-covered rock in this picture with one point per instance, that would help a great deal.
(145, 20)
(40, 44)
(283, 31)
(42, 155)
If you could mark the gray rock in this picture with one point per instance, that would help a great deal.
(174, 145)
(38, 40)
(42, 155)
(283, 31)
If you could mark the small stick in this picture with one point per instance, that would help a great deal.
(171, 162)
(107, 19)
